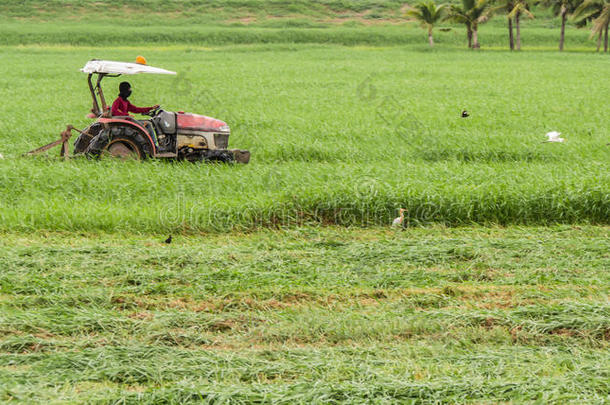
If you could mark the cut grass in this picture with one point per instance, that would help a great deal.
(330, 314)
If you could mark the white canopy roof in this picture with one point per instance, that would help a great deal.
(121, 68)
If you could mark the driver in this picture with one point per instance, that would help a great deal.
(122, 107)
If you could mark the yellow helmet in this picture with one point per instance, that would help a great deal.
(141, 60)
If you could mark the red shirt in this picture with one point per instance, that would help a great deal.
(124, 107)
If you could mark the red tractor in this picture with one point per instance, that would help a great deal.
(179, 135)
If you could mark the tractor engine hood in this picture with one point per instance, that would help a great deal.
(186, 122)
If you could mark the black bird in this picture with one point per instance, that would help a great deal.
(168, 240)
(465, 114)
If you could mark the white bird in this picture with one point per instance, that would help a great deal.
(553, 136)
(1, 157)
(398, 221)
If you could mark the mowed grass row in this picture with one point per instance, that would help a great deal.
(411, 373)
(500, 314)
(338, 136)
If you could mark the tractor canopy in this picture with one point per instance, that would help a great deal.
(103, 68)
(121, 68)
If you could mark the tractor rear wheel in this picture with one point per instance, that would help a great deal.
(123, 148)
(120, 142)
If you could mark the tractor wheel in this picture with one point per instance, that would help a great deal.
(120, 142)
(125, 149)
(82, 142)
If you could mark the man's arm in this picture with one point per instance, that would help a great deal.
(139, 110)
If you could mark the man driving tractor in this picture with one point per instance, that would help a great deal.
(165, 135)
(122, 107)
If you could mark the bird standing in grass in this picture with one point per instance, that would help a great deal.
(553, 136)
(465, 114)
(401, 219)
(168, 240)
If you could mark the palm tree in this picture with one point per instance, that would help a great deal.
(597, 11)
(562, 8)
(507, 6)
(427, 14)
(459, 14)
(521, 7)
(602, 23)
(471, 13)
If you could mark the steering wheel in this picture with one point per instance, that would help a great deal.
(154, 112)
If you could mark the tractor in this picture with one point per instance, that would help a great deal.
(179, 135)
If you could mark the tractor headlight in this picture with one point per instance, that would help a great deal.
(224, 128)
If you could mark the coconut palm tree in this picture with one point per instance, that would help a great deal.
(427, 14)
(597, 11)
(471, 13)
(521, 7)
(602, 23)
(506, 6)
(459, 14)
(563, 9)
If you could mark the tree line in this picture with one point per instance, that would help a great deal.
(472, 13)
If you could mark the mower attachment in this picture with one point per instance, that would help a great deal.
(65, 146)
(241, 156)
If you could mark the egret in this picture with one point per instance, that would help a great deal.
(399, 221)
(553, 136)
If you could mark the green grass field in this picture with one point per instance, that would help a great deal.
(338, 135)
(285, 282)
